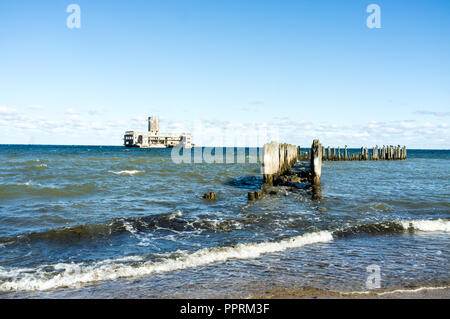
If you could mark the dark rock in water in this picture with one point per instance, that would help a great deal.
(295, 179)
(255, 195)
(304, 174)
(288, 180)
(283, 180)
(272, 192)
(299, 185)
(210, 196)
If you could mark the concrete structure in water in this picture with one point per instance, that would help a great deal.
(154, 139)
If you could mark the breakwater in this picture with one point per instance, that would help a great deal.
(279, 168)
(386, 153)
(278, 159)
(280, 163)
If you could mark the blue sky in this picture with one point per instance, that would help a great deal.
(308, 69)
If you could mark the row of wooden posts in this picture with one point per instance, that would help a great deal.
(278, 158)
(388, 153)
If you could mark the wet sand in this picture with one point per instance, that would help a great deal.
(419, 293)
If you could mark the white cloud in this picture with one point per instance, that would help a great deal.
(434, 113)
(93, 112)
(300, 132)
(71, 111)
(7, 110)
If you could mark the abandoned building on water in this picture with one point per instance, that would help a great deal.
(154, 139)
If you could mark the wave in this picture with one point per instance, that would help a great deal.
(395, 227)
(29, 168)
(63, 275)
(24, 163)
(31, 188)
(29, 183)
(74, 274)
(176, 222)
(168, 221)
(439, 225)
(127, 172)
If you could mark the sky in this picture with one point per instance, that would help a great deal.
(226, 71)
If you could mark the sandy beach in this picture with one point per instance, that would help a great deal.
(418, 293)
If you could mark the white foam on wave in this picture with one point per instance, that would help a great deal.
(438, 225)
(390, 292)
(414, 290)
(77, 274)
(127, 172)
(29, 183)
(175, 214)
(129, 227)
(144, 241)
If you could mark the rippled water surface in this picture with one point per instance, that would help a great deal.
(116, 222)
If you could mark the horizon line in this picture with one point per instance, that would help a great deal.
(218, 146)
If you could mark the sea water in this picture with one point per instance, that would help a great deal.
(93, 221)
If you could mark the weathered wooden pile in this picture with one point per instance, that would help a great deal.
(387, 153)
(277, 159)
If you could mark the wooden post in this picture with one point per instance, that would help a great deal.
(345, 153)
(316, 162)
(328, 153)
(270, 161)
(277, 159)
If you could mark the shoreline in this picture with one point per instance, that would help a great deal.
(312, 293)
